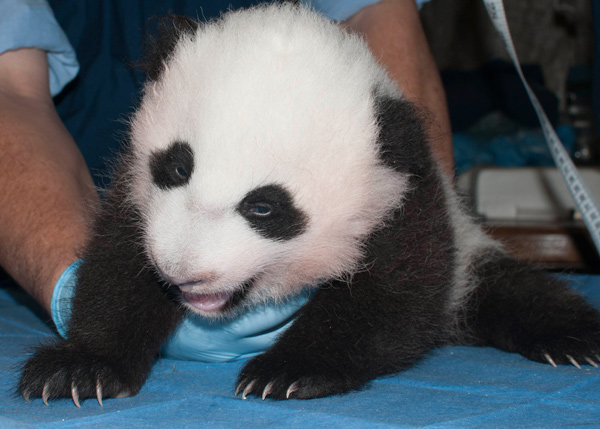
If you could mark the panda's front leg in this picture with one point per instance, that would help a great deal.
(120, 317)
(346, 335)
(310, 359)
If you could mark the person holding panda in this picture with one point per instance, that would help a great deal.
(48, 195)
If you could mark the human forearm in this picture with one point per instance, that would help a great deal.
(47, 191)
(394, 33)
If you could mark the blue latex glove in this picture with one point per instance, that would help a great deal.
(197, 338)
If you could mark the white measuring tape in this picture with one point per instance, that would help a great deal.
(586, 203)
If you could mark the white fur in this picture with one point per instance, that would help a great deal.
(271, 95)
(471, 243)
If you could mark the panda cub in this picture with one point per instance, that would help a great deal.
(270, 154)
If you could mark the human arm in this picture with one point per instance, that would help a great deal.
(394, 33)
(47, 191)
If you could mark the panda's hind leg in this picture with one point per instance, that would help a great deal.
(525, 310)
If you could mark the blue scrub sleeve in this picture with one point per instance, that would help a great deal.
(196, 338)
(31, 24)
(340, 10)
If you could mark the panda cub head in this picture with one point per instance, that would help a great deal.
(255, 162)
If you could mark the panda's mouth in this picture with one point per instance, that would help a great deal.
(218, 301)
(207, 301)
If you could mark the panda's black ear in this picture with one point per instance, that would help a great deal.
(163, 35)
(402, 135)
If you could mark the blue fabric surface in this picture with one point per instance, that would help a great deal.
(497, 140)
(454, 387)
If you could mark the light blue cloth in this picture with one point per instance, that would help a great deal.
(197, 338)
(31, 24)
(340, 10)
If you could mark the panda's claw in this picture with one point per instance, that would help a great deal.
(591, 362)
(239, 388)
(248, 389)
(99, 392)
(291, 389)
(573, 361)
(267, 391)
(550, 360)
(75, 395)
(45, 393)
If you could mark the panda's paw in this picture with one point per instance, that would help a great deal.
(569, 351)
(59, 371)
(566, 345)
(275, 377)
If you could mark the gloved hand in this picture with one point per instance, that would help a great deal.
(197, 338)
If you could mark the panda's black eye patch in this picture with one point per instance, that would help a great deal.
(173, 166)
(270, 211)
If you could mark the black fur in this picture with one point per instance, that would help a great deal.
(172, 167)
(523, 310)
(270, 210)
(159, 47)
(402, 137)
(384, 319)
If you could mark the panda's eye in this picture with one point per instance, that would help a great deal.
(260, 209)
(181, 172)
